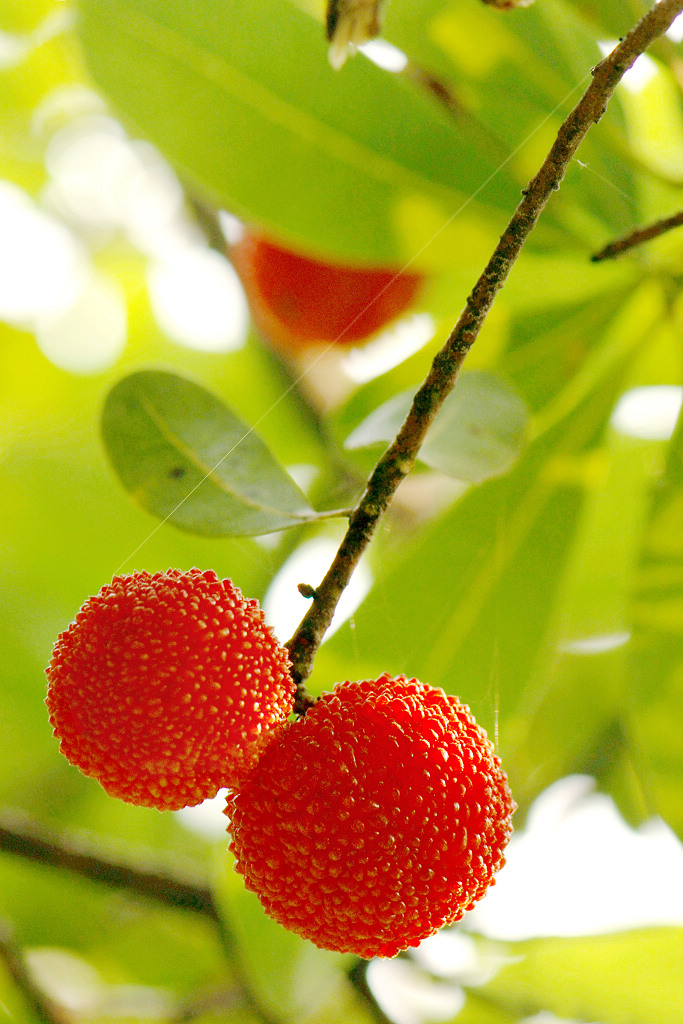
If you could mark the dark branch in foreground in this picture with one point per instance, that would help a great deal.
(25, 838)
(637, 237)
(400, 457)
(20, 836)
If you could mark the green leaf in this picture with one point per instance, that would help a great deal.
(625, 978)
(481, 590)
(24, 15)
(580, 673)
(656, 664)
(515, 75)
(478, 433)
(186, 458)
(485, 1011)
(476, 590)
(241, 98)
(612, 20)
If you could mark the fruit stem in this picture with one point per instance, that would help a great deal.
(399, 458)
(332, 513)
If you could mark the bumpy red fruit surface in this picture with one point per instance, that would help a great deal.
(166, 687)
(377, 818)
(297, 301)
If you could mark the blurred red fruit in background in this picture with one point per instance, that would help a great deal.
(297, 301)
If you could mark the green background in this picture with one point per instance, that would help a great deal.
(580, 537)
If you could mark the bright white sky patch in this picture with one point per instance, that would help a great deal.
(12, 50)
(596, 644)
(206, 819)
(546, 1017)
(232, 228)
(90, 335)
(388, 349)
(198, 300)
(284, 607)
(408, 998)
(103, 182)
(452, 953)
(384, 55)
(675, 32)
(42, 266)
(637, 77)
(63, 104)
(90, 163)
(570, 871)
(303, 474)
(650, 413)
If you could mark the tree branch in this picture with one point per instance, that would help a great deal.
(23, 837)
(400, 457)
(637, 237)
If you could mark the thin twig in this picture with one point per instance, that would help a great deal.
(400, 457)
(42, 1008)
(637, 237)
(23, 837)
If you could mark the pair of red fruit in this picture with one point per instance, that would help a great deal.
(364, 826)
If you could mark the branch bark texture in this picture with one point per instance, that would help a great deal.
(400, 457)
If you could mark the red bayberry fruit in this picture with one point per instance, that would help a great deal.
(297, 301)
(377, 818)
(166, 687)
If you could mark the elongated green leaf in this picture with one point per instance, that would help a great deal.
(186, 458)
(580, 672)
(523, 70)
(482, 586)
(242, 99)
(477, 587)
(612, 20)
(626, 978)
(478, 433)
(656, 665)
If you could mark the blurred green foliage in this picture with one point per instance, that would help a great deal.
(489, 590)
